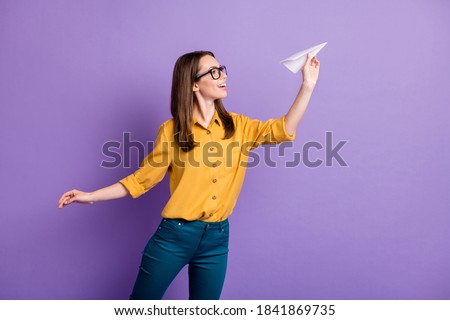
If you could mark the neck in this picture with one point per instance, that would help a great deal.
(204, 111)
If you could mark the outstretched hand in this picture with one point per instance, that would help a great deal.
(74, 196)
(310, 70)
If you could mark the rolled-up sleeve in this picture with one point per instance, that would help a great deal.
(152, 168)
(265, 132)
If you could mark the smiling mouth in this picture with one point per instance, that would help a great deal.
(223, 85)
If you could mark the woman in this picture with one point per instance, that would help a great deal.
(205, 149)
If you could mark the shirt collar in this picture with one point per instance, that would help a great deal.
(215, 118)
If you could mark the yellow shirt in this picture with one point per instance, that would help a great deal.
(206, 181)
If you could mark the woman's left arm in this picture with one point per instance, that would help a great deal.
(310, 73)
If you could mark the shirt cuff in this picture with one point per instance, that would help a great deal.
(279, 131)
(132, 185)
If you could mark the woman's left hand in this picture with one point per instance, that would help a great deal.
(310, 70)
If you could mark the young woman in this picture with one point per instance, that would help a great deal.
(205, 149)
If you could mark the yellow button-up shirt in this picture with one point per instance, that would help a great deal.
(205, 182)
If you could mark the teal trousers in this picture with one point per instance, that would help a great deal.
(176, 243)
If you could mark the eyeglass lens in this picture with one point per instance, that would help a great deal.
(216, 72)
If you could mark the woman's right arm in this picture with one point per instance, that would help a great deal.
(151, 171)
(111, 192)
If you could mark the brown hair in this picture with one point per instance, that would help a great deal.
(182, 101)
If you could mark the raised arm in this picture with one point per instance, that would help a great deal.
(111, 192)
(310, 73)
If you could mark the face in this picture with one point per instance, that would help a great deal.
(206, 87)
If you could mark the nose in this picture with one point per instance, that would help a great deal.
(223, 75)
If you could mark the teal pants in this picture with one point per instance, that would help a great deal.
(176, 243)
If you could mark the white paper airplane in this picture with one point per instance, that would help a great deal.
(297, 60)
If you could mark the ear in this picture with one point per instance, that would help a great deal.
(195, 87)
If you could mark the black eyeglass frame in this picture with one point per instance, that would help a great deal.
(220, 68)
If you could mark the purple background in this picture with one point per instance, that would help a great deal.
(76, 74)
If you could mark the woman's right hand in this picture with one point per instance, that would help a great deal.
(75, 196)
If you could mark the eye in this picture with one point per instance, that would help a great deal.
(215, 72)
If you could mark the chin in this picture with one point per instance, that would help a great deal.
(220, 98)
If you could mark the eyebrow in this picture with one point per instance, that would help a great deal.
(210, 68)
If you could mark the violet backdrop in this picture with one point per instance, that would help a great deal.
(76, 74)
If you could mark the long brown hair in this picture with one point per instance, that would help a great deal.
(182, 101)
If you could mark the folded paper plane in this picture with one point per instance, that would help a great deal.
(297, 60)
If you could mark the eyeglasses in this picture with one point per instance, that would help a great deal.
(215, 73)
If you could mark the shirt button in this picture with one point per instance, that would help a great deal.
(214, 197)
(211, 214)
(208, 132)
(214, 180)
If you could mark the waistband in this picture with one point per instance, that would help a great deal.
(200, 224)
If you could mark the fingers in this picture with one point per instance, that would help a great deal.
(315, 63)
(66, 201)
(307, 62)
(63, 202)
(309, 58)
(312, 61)
(70, 193)
(63, 198)
(67, 198)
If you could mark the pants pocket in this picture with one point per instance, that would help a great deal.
(169, 229)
